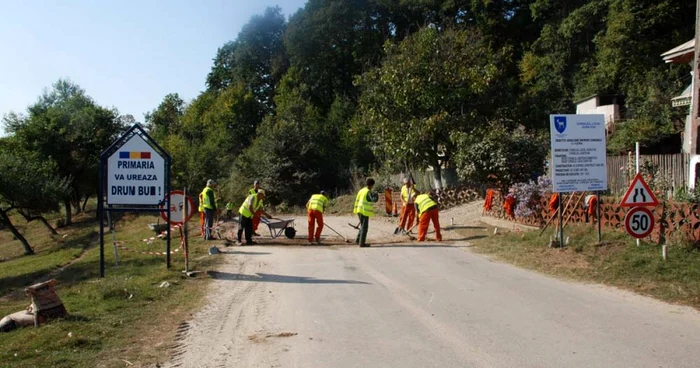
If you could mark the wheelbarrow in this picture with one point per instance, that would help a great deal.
(278, 227)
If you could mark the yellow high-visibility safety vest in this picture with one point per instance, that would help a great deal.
(201, 202)
(362, 205)
(405, 193)
(207, 198)
(318, 202)
(249, 206)
(424, 202)
(229, 206)
(260, 204)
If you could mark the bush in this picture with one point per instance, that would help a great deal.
(528, 195)
(507, 156)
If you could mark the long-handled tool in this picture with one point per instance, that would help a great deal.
(332, 229)
(408, 232)
(357, 227)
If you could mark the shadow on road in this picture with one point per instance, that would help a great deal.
(267, 277)
(474, 237)
(463, 227)
(236, 253)
(431, 244)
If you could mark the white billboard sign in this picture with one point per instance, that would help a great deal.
(578, 153)
(135, 174)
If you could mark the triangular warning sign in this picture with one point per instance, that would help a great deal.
(639, 194)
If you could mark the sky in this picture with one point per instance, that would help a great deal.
(126, 54)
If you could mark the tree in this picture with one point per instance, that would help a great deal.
(498, 154)
(166, 119)
(31, 186)
(430, 84)
(256, 59)
(287, 154)
(67, 127)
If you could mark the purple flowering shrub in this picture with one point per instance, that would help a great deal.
(528, 195)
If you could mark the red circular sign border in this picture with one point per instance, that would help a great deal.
(164, 213)
(629, 216)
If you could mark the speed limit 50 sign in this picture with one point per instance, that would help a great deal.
(639, 222)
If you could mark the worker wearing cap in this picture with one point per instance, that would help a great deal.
(257, 213)
(209, 204)
(408, 209)
(315, 208)
(364, 208)
(427, 211)
(246, 212)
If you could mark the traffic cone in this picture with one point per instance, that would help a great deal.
(396, 212)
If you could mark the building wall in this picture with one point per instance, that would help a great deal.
(586, 106)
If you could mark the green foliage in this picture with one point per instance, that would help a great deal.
(30, 183)
(167, 118)
(67, 128)
(497, 154)
(431, 84)
(643, 130)
(287, 152)
(256, 59)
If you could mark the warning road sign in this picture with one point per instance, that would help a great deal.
(177, 207)
(639, 222)
(639, 194)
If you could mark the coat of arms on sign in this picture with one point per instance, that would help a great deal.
(560, 123)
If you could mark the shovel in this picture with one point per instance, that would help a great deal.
(332, 229)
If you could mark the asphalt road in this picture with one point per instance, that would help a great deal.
(429, 305)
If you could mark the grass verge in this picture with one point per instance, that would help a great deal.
(617, 261)
(124, 317)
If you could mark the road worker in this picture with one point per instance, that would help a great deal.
(408, 209)
(427, 211)
(209, 203)
(245, 214)
(315, 207)
(364, 208)
(229, 210)
(256, 214)
(201, 213)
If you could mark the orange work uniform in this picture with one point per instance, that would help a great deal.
(408, 209)
(427, 212)
(316, 206)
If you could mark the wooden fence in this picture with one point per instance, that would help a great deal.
(675, 221)
(673, 168)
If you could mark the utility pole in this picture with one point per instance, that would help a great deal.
(695, 100)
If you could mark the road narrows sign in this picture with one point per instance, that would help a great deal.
(639, 194)
(639, 222)
(135, 174)
(177, 204)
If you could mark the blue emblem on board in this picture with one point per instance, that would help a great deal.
(560, 124)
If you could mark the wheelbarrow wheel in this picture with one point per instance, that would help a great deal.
(290, 232)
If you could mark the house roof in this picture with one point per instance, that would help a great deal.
(681, 54)
(684, 99)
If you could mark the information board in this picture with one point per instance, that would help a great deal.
(578, 153)
(135, 174)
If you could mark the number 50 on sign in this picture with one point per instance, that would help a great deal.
(639, 222)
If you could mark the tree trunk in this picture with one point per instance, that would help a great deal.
(69, 212)
(6, 220)
(85, 202)
(75, 202)
(40, 218)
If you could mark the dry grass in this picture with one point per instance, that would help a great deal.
(617, 261)
(124, 317)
